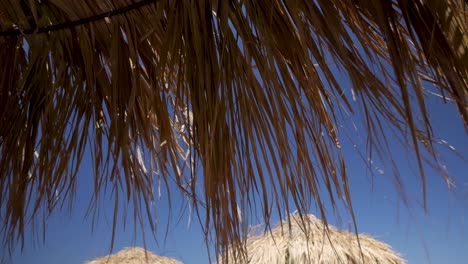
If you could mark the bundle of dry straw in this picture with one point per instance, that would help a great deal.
(134, 255)
(308, 240)
(248, 95)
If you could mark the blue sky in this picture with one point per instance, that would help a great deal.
(438, 236)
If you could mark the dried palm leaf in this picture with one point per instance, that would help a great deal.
(134, 255)
(239, 103)
(306, 239)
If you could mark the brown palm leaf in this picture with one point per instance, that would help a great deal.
(306, 239)
(239, 103)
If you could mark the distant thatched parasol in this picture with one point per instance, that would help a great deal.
(318, 245)
(134, 255)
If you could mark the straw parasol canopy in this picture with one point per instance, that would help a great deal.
(134, 255)
(236, 105)
(309, 240)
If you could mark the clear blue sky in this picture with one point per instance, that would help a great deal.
(441, 236)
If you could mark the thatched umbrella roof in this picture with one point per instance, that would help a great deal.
(318, 244)
(247, 96)
(134, 255)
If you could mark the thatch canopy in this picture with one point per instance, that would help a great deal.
(309, 240)
(134, 255)
(240, 104)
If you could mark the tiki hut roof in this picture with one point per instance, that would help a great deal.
(318, 245)
(134, 255)
(227, 100)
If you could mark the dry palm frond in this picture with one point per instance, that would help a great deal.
(309, 240)
(134, 255)
(245, 94)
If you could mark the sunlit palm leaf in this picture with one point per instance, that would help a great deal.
(258, 79)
